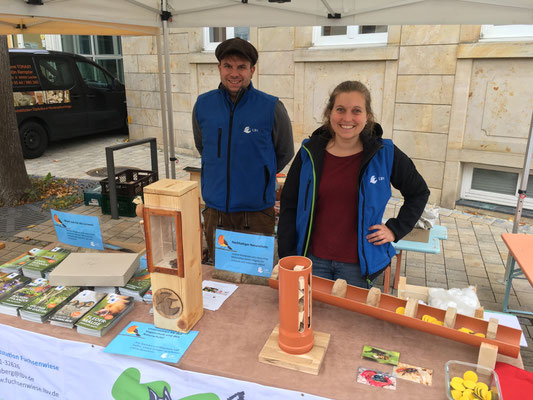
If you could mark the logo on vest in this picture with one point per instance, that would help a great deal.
(375, 180)
(250, 130)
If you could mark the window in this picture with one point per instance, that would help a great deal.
(349, 35)
(494, 186)
(506, 32)
(93, 76)
(55, 73)
(103, 50)
(213, 36)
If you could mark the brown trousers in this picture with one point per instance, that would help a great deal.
(246, 221)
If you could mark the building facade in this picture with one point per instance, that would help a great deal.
(456, 99)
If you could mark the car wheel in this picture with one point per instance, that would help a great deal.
(33, 139)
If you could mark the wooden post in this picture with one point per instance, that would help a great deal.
(411, 308)
(449, 318)
(492, 328)
(487, 355)
(339, 288)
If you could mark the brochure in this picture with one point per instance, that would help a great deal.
(105, 315)
(76, 308)
(216, 293)
(9, 282)
(44, 261)
(40, 309)
(16, 265)
(11, 304)
(146, 341)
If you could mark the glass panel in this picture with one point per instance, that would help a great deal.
(105, 45)
(334, 30)
(93, 76)
(163, 239)
(242, 32)
(217, 34)
(84, 44)
(109, 65)
(490, 180)
(55, 73)
(67, 43)
(372, 28)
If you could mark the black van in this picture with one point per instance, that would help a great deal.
(62, 95)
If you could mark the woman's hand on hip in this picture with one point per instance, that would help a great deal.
(381, 235)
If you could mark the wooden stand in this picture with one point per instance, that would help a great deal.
(174, 252)
(309, 362)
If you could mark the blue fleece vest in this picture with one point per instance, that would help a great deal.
(374, 193)
(238, 157)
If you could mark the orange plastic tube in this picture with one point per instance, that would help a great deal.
(295, 328)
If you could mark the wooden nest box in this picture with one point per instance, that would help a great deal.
(173, 235)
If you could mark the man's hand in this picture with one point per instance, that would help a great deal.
(381, 235)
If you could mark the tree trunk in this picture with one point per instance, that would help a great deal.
(13, 176)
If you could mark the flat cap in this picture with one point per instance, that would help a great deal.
(236, 46)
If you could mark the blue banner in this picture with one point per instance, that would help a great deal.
(247, 253)
(78, 230)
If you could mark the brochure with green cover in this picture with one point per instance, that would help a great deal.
(11, 304)
(40, 308)
(44, 261)
(17, 264)
(138, 285)
(9, 282)
(105, 315)
(76, 308)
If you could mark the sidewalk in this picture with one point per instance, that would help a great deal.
(473, 254)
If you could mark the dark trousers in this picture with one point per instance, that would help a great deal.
(248, 221)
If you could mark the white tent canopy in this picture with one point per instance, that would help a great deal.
(143, 16)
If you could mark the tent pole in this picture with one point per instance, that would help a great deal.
(163, 102)
(521, 193)
(165, 15)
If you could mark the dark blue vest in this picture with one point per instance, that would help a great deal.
(238, 158)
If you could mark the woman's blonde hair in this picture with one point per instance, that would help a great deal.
(346, 87)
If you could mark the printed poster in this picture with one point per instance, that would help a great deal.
(142, 340)
(247, 253)
(78, 230)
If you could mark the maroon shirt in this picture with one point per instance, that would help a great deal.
(334, 235)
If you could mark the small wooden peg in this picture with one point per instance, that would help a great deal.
(492, 328)
(275, 272)
(479, 312)
(449, 318)
(339, 288)
(374, 296)
(411, 308)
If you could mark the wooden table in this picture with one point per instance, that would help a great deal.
(230, 340)
(521, 250)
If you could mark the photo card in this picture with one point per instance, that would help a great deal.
(380, 355)
(376, 378)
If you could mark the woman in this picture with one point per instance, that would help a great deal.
(337, 188)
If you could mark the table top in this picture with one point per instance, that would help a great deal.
(230, 340)
(520, 246)
(432, 246)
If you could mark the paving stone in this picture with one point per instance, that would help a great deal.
(437, 284)
(476, 272)
(432, 277)
(457, 275)
(478, 281)
(454, 264)
(485, 294)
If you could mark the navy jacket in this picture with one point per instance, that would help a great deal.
(238, 156)
(383, 164)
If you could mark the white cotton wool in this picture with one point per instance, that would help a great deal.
(465, 300)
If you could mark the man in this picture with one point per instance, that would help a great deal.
(245, 138)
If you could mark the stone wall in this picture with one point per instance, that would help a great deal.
(443, 96)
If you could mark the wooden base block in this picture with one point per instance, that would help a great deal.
(309, 362)
(487, 355)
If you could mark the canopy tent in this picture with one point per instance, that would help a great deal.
(143, 16)
(150, 17)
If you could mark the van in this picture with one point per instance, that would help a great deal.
(62, 95)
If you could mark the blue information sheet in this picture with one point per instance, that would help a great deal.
(247, 253)
(147, 341)
(78, 230)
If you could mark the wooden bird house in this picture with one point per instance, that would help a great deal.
(173, 236)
